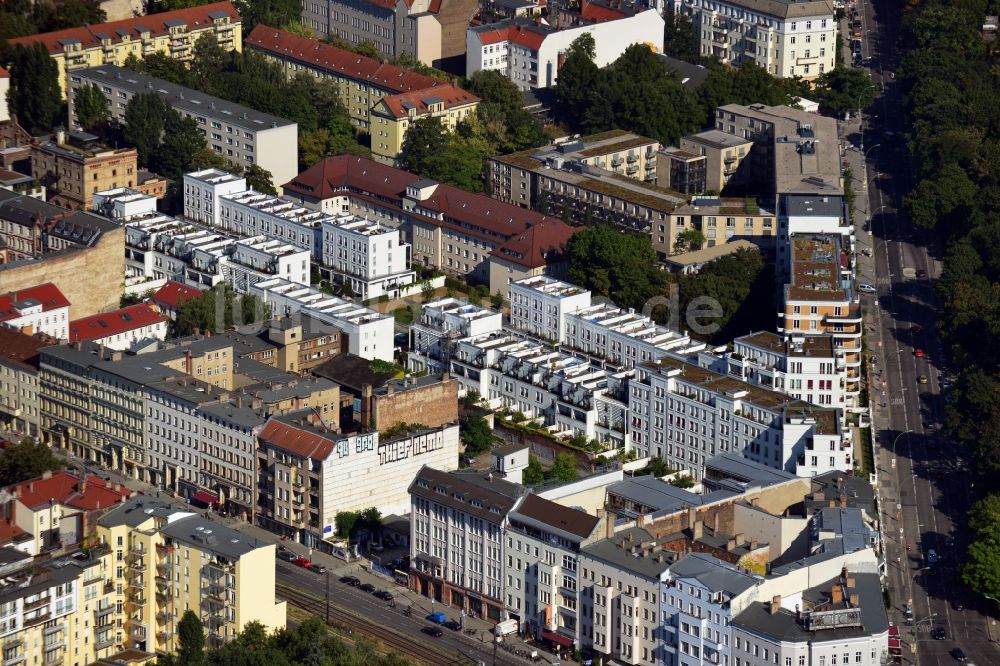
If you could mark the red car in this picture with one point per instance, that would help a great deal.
(919, 353)
(302, 562)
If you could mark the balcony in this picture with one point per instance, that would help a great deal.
(137, 599)
(36, 620)
(137, 551)
(216, 620)
(13, 661)
(213, 590)
(163, 635)
(41, 602)
(106, 641)
(12, 642)
(138, 632)
(54, 629)
(103, 612)
(54, 658)
(164, 616)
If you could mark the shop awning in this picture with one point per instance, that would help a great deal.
(205, 497)
(559, 639)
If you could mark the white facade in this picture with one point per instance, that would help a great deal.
(34, 317)
(259, 259)
(540, 305)
(786, 39)
(202, 190)
(135, 338)
(123, 203)
(687, 414)
(365, 470)
(251, 213)
(529, 56)
(369, 333)
(441, 323)
(366, 255)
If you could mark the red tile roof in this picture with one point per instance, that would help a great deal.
(518, 31)
(598, 13)
(399, 105)
(21, 349)
(338, 62)
(47, 294)
(67, 489)
(301, 442)
(539, 244)
(9, 531)
(156, 24)
(340, 174)
(111, 323)
(4, 74)
(172, 294)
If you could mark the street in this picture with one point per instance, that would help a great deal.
(924, 487)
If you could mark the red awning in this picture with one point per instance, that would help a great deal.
(205, 497)
(565, 641)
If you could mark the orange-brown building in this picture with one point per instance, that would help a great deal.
(73, 167)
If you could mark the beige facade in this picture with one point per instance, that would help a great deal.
(718, 220)
(72, 171)
(723, 152)
(169, 561)
(391, 116)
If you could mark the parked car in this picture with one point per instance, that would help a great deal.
(916, 328)
(866, 288)
(938, 634)
(921, 273)
(433, 631)
(932, 556)
(918, 352)
(957, 605)
(437, 617)
(302, 562)
(287, 556)
(350, 580)
(453, 625)
(317, 568)
(367, 587)
(957, 654)
(922, 379)
(384, 595)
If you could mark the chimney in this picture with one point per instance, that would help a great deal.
(445, 376)
(833, 504)
(31, 486)
(366, 405)
(389, 389)
(775, 604)
(640, 520)
(83, 486)
(753, 544)
(188, 365)
(843, 501)
(798, 613)
(692, 517)
(855, 600)
(699, 530)
(843, 573)
(837, 594)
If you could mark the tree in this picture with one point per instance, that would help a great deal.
(269, 12)
(209, 59)
(425, 139)
(564, 468)
(345, 523)
(476, 435)
(679, 37)
(533, 474)
(259, 179)
(217, 310)
(618, 265)
(682, 481)
(657, 467)
(844, 89)
(688, 240)
(24, 461)
(34, 96)
(182, 141)
(578, 76)
(144, 119)
(191, 639)
(91, 107)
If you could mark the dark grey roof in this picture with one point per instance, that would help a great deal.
(783, 625)
(458, 490)
(847, 525)
(855, 491)
(713, 573)
(660, 495)
(812, 205)
(22, 209)
(731, 471)
(649, 563)
(692, 76)
(508, 449)
(230, 412)
(246, 344)
(82, 228)
(185, 99)
(352, 372)
(135, 512)
(256, 373)
(295, 386)
(208, 535)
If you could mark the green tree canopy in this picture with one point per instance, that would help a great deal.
(24, 461)
(260, 179)
(144, 119)
(182, 141)
(34, 95)
(564, 468)
(91, 107)
(617, 265)
(191, 639)
(844, 89)
(476, 435)
(533, 474)
(217, 310)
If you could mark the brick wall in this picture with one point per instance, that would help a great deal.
(433, 405)
(90, 278)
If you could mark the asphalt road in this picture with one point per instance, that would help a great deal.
(925, 488)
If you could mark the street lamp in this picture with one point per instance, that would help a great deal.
(870, 149)
(905, 432)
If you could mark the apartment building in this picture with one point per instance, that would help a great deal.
(251, 213)
(442, 322)
(457, 524)
(293, 343)
(202, 190)
(170, 33)
(567, 394)
(620, 581)
(543, 541)
(240, 134)
(839, 621)
(123, 203)
(39, 309)
(686, 414)
(819, 299)
(310, 472)
(786, 39)
(718, 220)
(366, 256)
(431, 32)
(682, 171)
(62, 612)
(588, 194)
(169, 297)
(564, 313)
(170, 560)
(19, 380)
(130, 328)
(723, 152)
(529, 53)
(72, 169)
(381, 99)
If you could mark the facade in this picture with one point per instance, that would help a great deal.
(19, 380)
(543, 541)
(369, 334)
(41, 309)
(229, 579)
(786, 39)
(457, 524)
(682, 171)
(251, 213)
(171, 33)
(240, 134)
(718, 220)
(127, 329)
(381, 99)
(366, 256)
(308, 473)
(430, 32)
(840, 621)
(529, 53)
(73, 170)
(686, 415)
(441, 323)
(202, 190)
(723, 154)
(123, 203)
